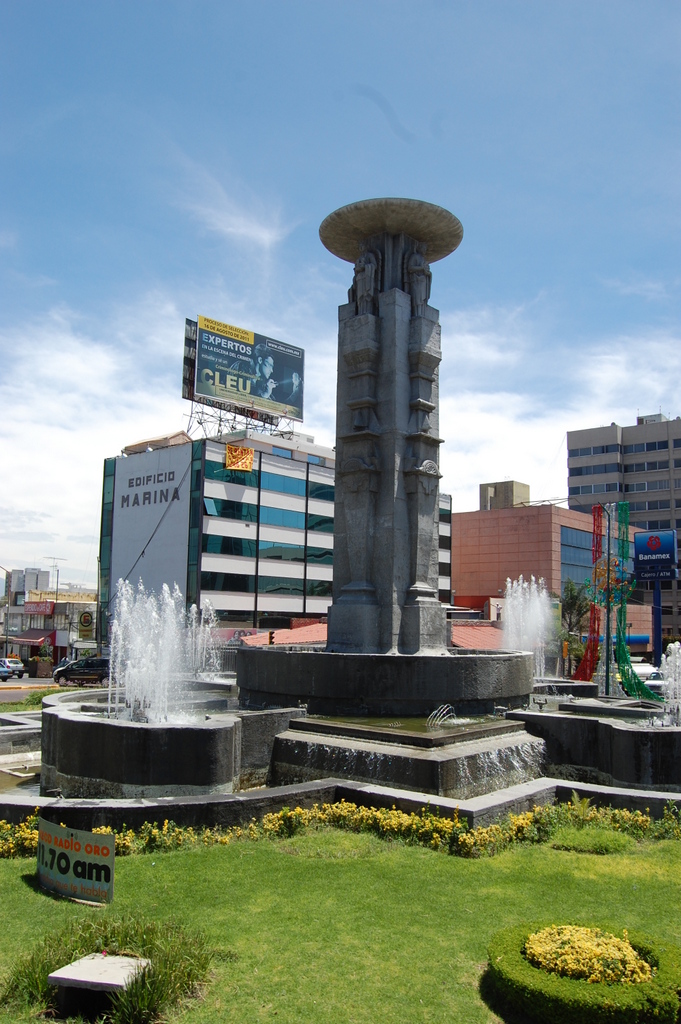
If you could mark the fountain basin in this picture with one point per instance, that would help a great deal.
(463, 764)
(600, 750)
(473, 682)
(86, 754)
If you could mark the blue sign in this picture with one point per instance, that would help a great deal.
(655, 555)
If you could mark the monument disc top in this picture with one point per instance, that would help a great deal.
(438, 229)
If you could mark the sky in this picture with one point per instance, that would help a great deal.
(161, 160)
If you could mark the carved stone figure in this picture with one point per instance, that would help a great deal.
(365, 281)
(419, 275)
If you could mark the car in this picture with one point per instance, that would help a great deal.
(4, 674)
(14, 666)
(85, 670)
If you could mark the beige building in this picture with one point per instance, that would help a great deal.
(640, 464)
(504, 494)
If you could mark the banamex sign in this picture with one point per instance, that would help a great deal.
(655, 555)
(76, 864)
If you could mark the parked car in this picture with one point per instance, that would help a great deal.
(4, 674)
(85, 670)
(14, 666)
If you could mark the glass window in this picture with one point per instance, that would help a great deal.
(283, 484)
(282, 552)
(445, 515)
(677, 442)
(283, 453)
(613, 448)
(282, 517)
(324, 524)
(630, 449)
(236, 582)
(320, 556)
(213, 544)
(216, 471)
(598, 449)
(318, 588)
(316, 460)
(444, 543)
(279, 585)
(321, 492)
(226, 509)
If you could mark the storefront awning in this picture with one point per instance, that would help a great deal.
(33, 637)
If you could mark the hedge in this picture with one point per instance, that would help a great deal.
(512, 984)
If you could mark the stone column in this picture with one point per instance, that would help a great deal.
(385, 578)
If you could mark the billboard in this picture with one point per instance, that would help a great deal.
(150, 528)
(655, 555)
(237, 369)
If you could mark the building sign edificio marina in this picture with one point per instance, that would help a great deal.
(76, 864)
(655, 555)
(240, 369)
(151, 518)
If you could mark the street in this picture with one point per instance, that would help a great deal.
(15, 689)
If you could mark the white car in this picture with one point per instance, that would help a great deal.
(14, 666)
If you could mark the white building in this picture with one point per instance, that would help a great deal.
(257, 543)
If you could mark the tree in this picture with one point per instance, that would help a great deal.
(574, 618)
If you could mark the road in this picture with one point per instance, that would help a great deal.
(15, 689)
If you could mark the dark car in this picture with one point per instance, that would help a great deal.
(85, 670)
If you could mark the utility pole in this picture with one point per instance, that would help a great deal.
(55, 569)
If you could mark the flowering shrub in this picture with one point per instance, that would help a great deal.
(449, 834)
(514, 988)
(588, 953)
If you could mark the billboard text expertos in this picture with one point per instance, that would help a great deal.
(239, 369)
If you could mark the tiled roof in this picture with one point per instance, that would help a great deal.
(481, 637)
(314, 634)
(478, 638)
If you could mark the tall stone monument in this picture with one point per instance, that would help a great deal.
(386, 652)
(385, 572)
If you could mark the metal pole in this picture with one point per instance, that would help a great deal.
(657, 624)
(8, 605)
(608, 640)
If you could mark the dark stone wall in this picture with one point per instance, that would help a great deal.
(615, 752)
(382, 684)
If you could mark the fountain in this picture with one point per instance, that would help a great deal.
(168, 726)
(527, 619)
(670, 667)
(156, 647)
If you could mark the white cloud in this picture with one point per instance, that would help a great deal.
(640, 287)
(211, 204)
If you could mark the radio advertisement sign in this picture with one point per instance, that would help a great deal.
(76, 864)
(236, 367)
(655, 555)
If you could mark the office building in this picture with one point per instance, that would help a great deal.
(253, 537)
(544, 541)
(640, 464)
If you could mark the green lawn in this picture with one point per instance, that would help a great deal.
(342, 927)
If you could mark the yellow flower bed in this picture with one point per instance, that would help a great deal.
(588, 953)
(449, 834)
